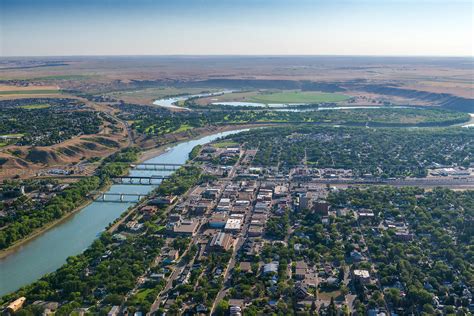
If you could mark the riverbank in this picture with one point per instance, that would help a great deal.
(49, 251)
(38, 232)
(146, 155)
(207, 131)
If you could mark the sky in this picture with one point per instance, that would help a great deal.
(237, 27)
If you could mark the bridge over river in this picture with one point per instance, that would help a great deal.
(36, 258)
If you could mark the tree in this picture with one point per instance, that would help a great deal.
(222, 308)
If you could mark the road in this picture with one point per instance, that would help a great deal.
(230, 266)
(420, 182)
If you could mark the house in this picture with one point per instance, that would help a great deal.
(16, 305)
(362, 275)
(148, 211)
(201, 308)
(403, 235)
(164, 200)
(332, 281)
(365, 213)
(300, 274)
(321, 207)
(134, 226)
(245, 266)
(48, 307)
(114, 311)
(301, 291)
(172, 256)
(235, 310)
(271, 267)
(356, 256)
(305, 202)
(301, 268)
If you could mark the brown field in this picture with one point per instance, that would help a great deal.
(101, 75)
(28, 161)
(27, 88)
(30, 91)
(460, 88)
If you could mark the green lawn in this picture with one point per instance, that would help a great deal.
(141, 295)
(35, 106)
(183, 127)
(29, 92)
(11, 135)
(298, 97)
(225, 144)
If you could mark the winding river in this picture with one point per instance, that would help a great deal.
(49, 251)
(171, 102)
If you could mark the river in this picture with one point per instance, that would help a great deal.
(171, 102)
(49, 251)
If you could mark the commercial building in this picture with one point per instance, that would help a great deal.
(233, 225)
(186, 228)
(221, 242)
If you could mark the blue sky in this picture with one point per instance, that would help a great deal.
(236, 27)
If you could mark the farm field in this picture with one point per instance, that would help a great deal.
(29, 92)
(9, 91)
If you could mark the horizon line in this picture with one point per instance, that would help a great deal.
(241, 55)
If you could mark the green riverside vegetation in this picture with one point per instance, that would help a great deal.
(157, 122)
(27, 220)
(93, 276)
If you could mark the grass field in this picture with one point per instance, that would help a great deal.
(141, 295)
(225, 144)
(183, 128)
(35, 106)
(11, 135)
(298, 97)
(19, 92)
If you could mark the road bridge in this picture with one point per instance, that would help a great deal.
(157, 166)
(102, 196)
(139, 179)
